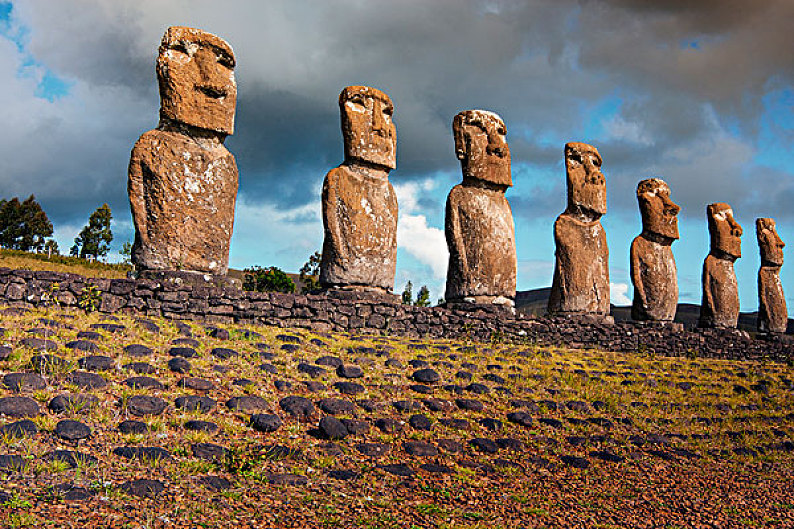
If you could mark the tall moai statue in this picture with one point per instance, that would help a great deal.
(653, 270)
(359, 203)
(720, 304)
(182, 180)
(479, 222)
(581, 270)
(772, 311)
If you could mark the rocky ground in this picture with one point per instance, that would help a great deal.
(122, 422)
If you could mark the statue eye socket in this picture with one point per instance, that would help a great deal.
(575, 157)
(358, 100)
(178, 46)
(502, 131)
(225, 60)
(597, 161)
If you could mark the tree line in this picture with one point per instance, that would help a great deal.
(25, 226)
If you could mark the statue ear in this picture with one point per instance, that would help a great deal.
(460, 137)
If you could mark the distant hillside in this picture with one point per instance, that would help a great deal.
(534, 302)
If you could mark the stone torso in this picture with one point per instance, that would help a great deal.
(653, 264)
(481, 239)
(360, 220)
(581, 273)
(772, 311)
(182, 193)
(720, 305)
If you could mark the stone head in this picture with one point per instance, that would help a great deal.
(195, 71)
(367, 126)
(769, 242)
(659, 213)
(481, 147)
(725, 232)
(587, 190)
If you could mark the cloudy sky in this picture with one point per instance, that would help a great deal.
(698, 93)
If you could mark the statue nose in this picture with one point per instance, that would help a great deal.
(211, 80)
(378, 122)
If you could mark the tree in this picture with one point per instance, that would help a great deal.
(23, 226)
(310, 273)
(408, 293)
(126, 252)
(94, 239)
(51, 247)
(270, 279)
(423, 297)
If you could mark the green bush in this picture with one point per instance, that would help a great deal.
(270, 279)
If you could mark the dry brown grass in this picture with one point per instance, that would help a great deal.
(30, 261)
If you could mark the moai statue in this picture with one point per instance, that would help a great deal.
(479, 223)
(182, 180)
(359, 204)
(772, 312)
(653, 270)
(720, 305)
(581, 270)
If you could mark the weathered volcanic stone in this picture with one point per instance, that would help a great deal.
(38, 344)
(24, 382)
(138, 350)
(142, 405)
(18, 407)
(359, 203)
(23, 428)
(96, 363)
(86, 380)
(151, 453)
(248, 404)
(182, 180)
(426, 376)
(653, 270)
(82, 345)
(333, 428)
(209, 452)
(772, 310)
(133, 427)
(73, 403)
(581, 270)
(72, 430)
(720, 304)
(479, 222)
(265, 422)
(143, 488)
(299, 407)
(195, 403)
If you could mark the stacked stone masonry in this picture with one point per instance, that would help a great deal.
(342, 311)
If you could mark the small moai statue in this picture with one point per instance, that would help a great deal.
(653, 270)
(479, 222)
(182, 180)
(720, 305)
(359, 203)
(581, 270)
(772, 311)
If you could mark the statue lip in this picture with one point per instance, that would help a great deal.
(212, 91)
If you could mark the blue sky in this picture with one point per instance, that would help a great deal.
(699, 95)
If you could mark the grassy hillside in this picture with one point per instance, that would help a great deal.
(60, 263)
(121, 422)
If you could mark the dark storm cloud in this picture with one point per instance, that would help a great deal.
(682, 71)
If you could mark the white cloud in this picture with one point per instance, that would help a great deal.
(266, 235)
(618, 294)
(426, 243)
(619, 129)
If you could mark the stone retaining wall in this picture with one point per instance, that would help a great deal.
(372, 313)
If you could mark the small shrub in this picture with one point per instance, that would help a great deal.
(270, 279)
(90, 298)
